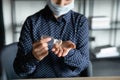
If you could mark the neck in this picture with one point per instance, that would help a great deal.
(56, 16)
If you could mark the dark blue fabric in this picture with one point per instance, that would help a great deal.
(71, 26)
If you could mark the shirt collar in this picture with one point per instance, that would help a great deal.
(67, 16)
(49, 14)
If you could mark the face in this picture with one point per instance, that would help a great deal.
(62, 2)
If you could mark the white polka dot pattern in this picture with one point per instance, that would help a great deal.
(71, 26)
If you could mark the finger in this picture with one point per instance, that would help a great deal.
(45, 40)
(40, 46)
(35, 44)
(53, 49)
(56, 51)
(60, 52)
(56, 48)
(43, 55)
(65, 52)
(40, 51)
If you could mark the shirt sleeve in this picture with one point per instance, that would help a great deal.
(78, 58)
(25, 63)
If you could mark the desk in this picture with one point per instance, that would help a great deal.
(78, 78)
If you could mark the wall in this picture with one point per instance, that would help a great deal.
(7, 21)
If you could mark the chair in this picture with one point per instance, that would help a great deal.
(8, 55)
(88, 71)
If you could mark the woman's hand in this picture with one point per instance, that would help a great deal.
(62, 49)
(40, 48)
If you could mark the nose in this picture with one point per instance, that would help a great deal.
(61, 3)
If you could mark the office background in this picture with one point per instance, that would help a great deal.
(104, 28)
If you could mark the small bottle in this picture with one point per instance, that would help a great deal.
(52, 42)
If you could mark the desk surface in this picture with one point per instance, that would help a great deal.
(78, 78)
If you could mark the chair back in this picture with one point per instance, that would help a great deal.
(8, 54)
(88, 72)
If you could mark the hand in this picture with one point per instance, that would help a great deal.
(62, 49)
(40, 48)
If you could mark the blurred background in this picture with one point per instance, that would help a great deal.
(104, 29)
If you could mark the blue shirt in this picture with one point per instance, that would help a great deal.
(71, 26)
